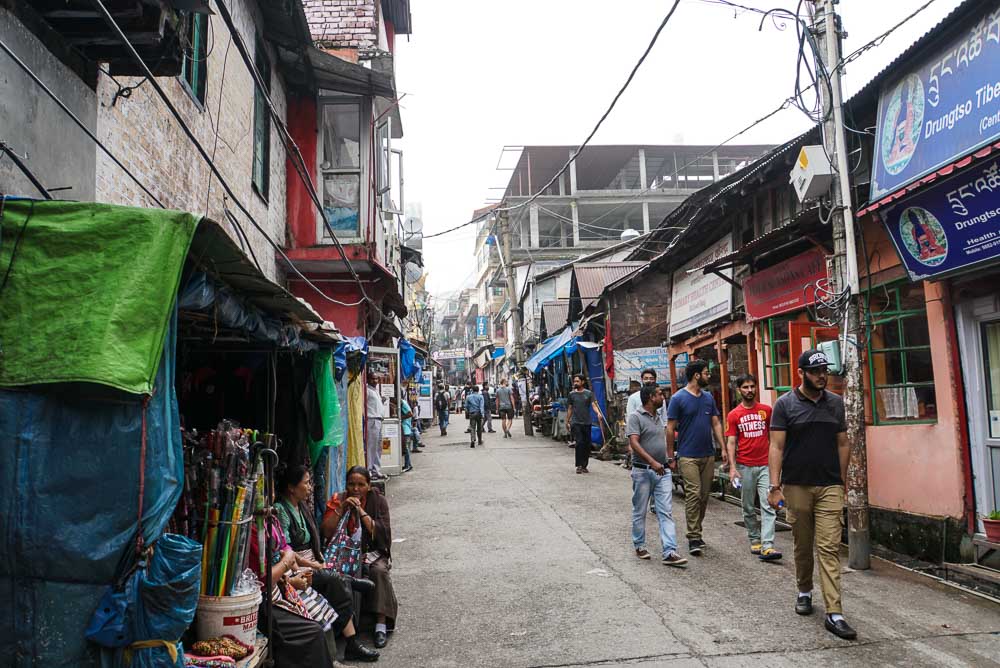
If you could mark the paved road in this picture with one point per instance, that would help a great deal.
(508, 559)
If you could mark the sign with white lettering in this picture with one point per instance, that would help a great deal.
(699, 298)
(451, 354)
(945, 107)
(630, 362)
(950, 226)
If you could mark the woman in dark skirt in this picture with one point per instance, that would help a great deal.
(369, 517)
(299, 529)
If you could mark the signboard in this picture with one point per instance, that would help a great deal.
(451, 354)
(946, 106)
(482, 326)
(424, 392)
(699, 298)
(630, 362)
(952, 225)
(680, 364)
(783, 287)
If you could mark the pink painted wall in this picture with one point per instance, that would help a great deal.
(915, 468)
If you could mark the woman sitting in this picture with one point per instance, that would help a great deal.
(369, 517)
(300, 532)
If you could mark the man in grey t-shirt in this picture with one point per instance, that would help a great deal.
(652, 460)
(505, 406)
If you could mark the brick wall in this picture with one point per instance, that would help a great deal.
(641, 312)
(141, 132)
(343, 23)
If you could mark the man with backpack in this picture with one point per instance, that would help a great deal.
(442, 404)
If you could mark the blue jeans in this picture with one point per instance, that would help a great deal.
(756, 480)
(443, 416)
(407, 438)
(646, 483)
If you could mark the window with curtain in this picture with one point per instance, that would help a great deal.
(777, 356)
(194, 66)
(899, 356)
(341, 167)
(261, 124)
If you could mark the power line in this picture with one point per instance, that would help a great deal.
(76, 120)
(109, 19)
(579, 149)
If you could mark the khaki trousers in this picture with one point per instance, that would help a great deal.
(696, 472)
(816, 516)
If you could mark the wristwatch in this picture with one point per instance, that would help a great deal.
(773, 488)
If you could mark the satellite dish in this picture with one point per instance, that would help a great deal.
(412, 272)
(629, 234)
(413, 225)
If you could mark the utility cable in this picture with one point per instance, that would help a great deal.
(109, 19)
(34, 77)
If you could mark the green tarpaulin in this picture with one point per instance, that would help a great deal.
(333, 430)
(89, 291)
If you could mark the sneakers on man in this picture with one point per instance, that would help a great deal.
(579, 469)
(804, 604)
(674, 559)
(755, 549)
(407, 469)
(838, 626)
(642, 553)
(769, 554)
(695, 547)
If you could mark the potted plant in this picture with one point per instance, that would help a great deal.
(991, 523)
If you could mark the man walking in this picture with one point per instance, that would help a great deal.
(442, 405)
(808, 462)
(747, 442)
(376, 413)
(652, 460)
(693, 415)
(474, 409)
(579, 421)
(409, 442)
(488, 408)
(465, 395)
(505, 407)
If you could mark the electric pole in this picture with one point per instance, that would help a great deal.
(845, 277)
(503, 226)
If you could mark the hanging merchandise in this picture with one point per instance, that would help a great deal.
(355, 434)
(222, 488)
(329, 406)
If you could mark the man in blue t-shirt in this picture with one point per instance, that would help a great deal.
(693, 415)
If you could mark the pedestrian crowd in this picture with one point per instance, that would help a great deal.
(792, 456)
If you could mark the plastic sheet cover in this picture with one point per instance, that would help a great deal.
(333, 432)
(69, 481)
(90, 291)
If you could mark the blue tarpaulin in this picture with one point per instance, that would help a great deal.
(408, 363)
(69, 486)
(595, 370)
(550, 348)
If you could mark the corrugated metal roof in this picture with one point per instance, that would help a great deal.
(592, 277)
(554, 315)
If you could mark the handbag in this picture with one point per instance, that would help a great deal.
(343, 553)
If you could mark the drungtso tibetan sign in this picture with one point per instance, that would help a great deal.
(482, 326)
(630, 362)
(698, 297)
(952, 225)
(784, 287)
(944, 107)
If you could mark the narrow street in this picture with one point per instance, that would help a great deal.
(504, 557)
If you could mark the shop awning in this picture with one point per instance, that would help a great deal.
(551, 348)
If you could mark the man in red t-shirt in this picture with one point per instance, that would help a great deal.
(748, 442)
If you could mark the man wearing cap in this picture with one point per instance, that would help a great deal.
(808, 466)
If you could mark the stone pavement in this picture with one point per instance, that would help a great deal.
(507, 558)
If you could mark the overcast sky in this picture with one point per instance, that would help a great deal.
(480, 74)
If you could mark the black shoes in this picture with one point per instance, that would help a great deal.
(695, 547)
(380, 639)
(804, 605)
(407, 469)
(362, 585)
(358, 652)
(839, 628)
(472, 445)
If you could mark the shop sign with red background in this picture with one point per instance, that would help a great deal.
(782, 288)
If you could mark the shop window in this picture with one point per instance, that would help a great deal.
(194, 67)
(341, 168)
(777, 356)
(389, 170)
(899, 356)
(261, 124)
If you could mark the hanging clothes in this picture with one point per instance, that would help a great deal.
(355, 420)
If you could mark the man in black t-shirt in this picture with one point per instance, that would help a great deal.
(808, 466)
(579, 419)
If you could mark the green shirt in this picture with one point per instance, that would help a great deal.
(291, 520)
